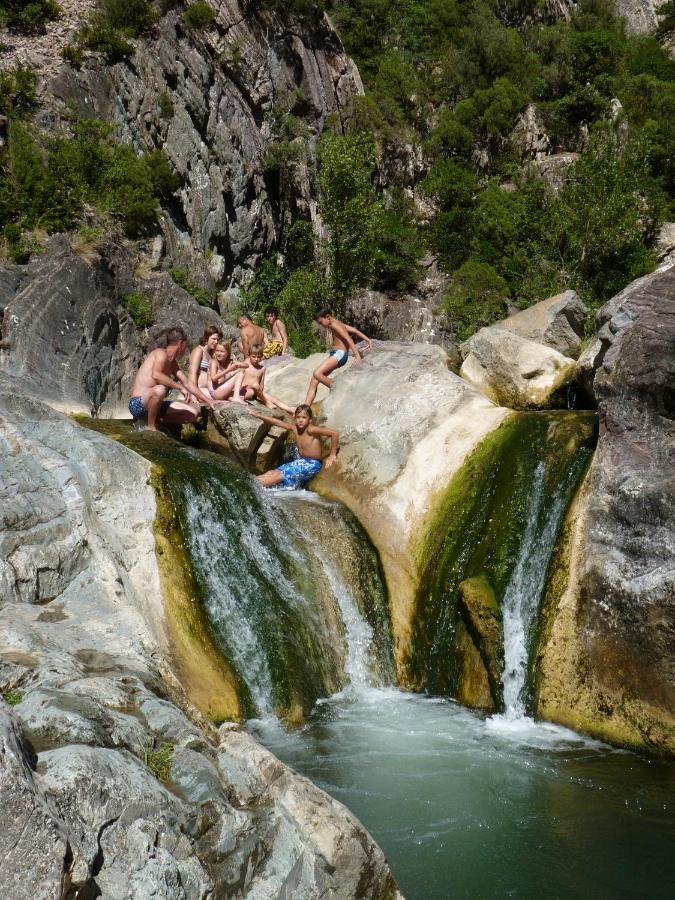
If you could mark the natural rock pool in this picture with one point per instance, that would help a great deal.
(465, 806)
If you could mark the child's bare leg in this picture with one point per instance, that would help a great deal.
(236, 387)
(267, 479)
(319, 376)
(224, 391)
(275, 403)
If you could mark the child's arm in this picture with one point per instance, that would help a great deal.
(334, 441)
(194, 389)
(352, 330)
(289, 426)
(340, 329)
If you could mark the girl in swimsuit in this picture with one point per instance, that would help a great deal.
(221, 371)
(201, 356)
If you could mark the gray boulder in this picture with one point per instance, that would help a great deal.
(607, 666)
(512, 370)
(65, 335)
(235, 431)
(399, 318)
(34, 846)
(558, 322)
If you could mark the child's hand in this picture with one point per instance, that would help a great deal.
(330, 459)
(256, 415)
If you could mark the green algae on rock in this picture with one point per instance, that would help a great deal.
(477, 532)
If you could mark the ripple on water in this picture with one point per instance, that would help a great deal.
(468, 806)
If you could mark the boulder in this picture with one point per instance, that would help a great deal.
(406, 424)
(34, 847)
(65, 335)
(558, 322)
(398, 318)
(482, 618)
(606, 662)
(146, 798)
(512, 370)
(232, 429)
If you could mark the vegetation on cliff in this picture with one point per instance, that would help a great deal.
(451, 79)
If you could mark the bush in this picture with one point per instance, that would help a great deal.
(165, 105)
(165, 182)
(28, 17)
(12, 698)
(476, 297)
(73, 54)
(131, 17)
(17, 90)
(159, 760)
(140, 308)
(183, 279)
(302, 293)
(199, 14)
(107, 41)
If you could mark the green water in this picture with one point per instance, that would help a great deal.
(486, 808)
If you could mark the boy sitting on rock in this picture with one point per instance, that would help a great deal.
(249, 383)
(298, 472)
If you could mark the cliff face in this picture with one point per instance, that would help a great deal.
(607, 665)
(218, 101)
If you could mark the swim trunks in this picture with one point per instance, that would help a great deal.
(299, 471)
(272, 348)
(138, 410)
(341, 355)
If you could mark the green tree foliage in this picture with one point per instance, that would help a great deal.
(17, 91)
(453, 76)
(27, 17)
(476, 297)
(140, 308)
(45, 182)
(184, 279)
(350, 207)
(113, 22)
(199, 14)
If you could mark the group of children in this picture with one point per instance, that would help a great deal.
(215, 377)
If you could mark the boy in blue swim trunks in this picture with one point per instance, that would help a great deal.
(307, 463)
(338, 356)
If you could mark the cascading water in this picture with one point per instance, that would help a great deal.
(283, 608)
(522, 595)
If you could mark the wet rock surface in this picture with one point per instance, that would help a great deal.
(120, 791)
(608, 666)
(406, 426)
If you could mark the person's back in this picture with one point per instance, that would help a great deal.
(249, 334)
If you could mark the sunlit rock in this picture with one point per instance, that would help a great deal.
(514, 371)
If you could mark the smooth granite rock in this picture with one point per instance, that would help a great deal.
(607, 665)
(406, 426)
(558, 322)
(512, 370)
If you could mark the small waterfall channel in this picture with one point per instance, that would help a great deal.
(290, 585)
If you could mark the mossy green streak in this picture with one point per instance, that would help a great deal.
(478, 527)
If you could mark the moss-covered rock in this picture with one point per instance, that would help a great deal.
(482, 617)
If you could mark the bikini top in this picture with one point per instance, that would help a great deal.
(204, 364)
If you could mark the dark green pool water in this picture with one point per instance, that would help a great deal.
(467, 807)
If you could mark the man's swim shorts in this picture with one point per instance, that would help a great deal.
(138, 410)
(341, 355)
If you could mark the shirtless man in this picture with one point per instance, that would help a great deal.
(279, 336)
(307, 462)
(157, 374)
(249, 334)
(249, 383)
(338, 356)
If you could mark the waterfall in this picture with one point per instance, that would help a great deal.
(522, 595)
(287, 583)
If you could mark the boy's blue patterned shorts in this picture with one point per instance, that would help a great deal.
(299, 471)
(138, 410)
